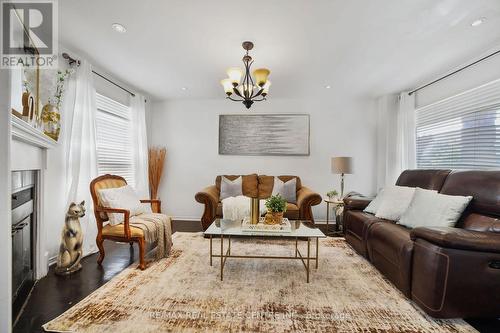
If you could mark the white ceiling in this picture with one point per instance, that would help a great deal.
(358, 47)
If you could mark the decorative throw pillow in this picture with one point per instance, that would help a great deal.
(395, 201)
(288, 190)
(375, 203)
(432, 209)
(230, 188)
(123, 198)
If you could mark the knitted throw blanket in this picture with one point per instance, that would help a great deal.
(156, 228)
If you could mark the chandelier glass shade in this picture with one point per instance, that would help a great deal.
(240, 86)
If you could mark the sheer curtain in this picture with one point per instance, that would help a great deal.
(81, 160)
(140, 142)
(395, 137)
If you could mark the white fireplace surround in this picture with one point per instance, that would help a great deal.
(29, 151)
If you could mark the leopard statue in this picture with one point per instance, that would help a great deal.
(70, 251)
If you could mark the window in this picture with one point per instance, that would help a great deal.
(461, 132)
(114, 139)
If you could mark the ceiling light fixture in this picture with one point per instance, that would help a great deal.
(328, 86)
(118, 28)
(248, 90)
(184, 88)
(478, 22)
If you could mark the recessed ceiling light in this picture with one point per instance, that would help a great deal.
(184, 88)
(118, 28)
(328, 86)
(478, 22)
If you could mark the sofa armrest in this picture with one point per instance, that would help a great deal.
(356, 203)
(209, 196)
(306, 198)
(460, 239)
(126, 218)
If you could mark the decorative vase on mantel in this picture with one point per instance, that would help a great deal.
(51, 119)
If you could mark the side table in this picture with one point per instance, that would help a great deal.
(336, 205)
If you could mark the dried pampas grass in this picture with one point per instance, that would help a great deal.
(156, 157)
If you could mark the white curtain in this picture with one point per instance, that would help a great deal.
(139, 132)
(395, 137)
(81, 151)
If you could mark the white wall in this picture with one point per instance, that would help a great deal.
(5, 202)
(189, 130)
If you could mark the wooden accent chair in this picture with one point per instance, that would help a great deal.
(122, 232)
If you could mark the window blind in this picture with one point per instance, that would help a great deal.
(113, 139)
(461, 132)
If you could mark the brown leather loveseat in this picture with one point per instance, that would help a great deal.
(448, 272)
(257, 186)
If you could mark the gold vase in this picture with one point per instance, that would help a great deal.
(273, 217)
(254, 210)
(51, 119)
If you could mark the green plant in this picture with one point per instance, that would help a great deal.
(276, 203)
(332, 193)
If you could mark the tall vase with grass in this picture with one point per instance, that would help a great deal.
(156, 157)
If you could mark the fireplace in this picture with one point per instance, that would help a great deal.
(24, 217)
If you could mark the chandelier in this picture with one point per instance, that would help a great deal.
(247, 91)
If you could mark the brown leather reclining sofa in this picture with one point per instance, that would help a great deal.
(448, 272)
(256, 186)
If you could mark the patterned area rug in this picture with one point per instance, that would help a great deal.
(183, 293)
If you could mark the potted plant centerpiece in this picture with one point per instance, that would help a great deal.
(276, 206)
(332, 195)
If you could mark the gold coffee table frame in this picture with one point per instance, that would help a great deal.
(300, 231)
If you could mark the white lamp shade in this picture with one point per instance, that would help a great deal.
(235, 75)
(228, 86)
(341, 165)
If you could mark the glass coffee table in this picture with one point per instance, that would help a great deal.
(300, 231)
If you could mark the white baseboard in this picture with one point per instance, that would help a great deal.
(52, 260)
(186, 218)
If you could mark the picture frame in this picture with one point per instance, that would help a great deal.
(277, 134)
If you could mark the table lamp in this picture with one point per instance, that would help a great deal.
(341, 165)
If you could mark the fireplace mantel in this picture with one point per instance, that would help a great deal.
(22, 131)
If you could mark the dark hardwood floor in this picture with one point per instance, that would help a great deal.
(54, 294)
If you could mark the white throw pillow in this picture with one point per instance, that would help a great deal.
(432, 209)
(230, 188)
(287, 190)
(123, 198)
(395, 201)
(237, 208)
(375, 203)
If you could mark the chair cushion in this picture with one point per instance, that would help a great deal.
(390, 251)
(122, 198)
(119, 231)
(104, 182)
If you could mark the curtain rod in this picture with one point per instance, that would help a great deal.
(72, 61)
(454, 72)
(116, 84)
